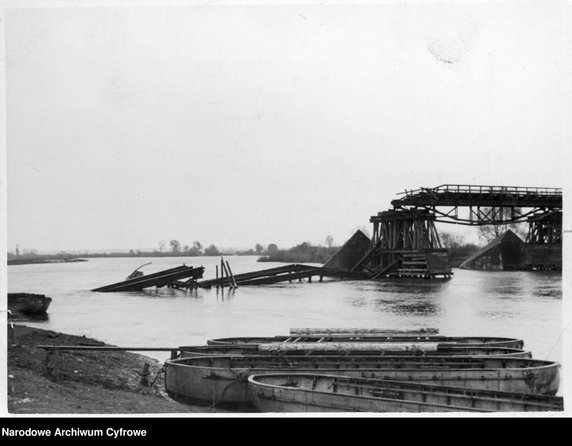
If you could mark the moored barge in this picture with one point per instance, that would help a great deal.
(288, 392)
(219, 379)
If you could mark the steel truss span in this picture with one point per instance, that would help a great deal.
(486, 204)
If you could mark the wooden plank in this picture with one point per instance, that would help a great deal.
(344, 346)
(386, 269)
(361, 331)
(159, 279)
(231, 276)
(277, 278)
(262, 273)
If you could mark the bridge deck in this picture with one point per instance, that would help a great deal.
(476, 195)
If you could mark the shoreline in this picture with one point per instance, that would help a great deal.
(13, 262)
(84, 382)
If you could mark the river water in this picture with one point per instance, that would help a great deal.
(524, 305)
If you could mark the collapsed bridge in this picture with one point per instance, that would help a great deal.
(405, 241)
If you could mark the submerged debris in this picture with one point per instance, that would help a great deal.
(171, 277)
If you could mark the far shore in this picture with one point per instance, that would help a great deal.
(32, 261)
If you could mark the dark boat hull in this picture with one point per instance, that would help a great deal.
(29, 304)
(218, 379)
(284, 392)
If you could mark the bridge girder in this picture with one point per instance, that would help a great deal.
(487, 205)
(484, 216)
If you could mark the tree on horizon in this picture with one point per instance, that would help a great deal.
(175, 246)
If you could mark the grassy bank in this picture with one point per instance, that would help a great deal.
(83, 382)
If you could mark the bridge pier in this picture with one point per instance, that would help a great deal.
(405, 243)
(545, 228)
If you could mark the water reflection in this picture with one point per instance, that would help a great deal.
(403, 302)
(413, 286)
(554, 292)
(163, 293)
(519, 285)
(403, 296)
(496, 315)
(225, 293)
(19, 317)
(418, 307)
(158, 292)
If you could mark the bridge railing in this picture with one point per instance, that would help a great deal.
(485, 190)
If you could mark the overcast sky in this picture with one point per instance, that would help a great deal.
(245, 124)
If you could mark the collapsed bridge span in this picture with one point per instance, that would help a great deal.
(287, 273)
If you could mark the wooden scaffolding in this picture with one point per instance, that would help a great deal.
(545, 228)
(405, 243)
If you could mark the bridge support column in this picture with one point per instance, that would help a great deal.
(543, 248)
(545, 228)
(405, 243)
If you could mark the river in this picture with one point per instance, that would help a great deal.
(524, 305)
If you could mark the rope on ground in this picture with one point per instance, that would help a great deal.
(240, 377)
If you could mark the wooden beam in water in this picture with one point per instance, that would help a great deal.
(258, 274)
(231, 276)
(304, 274)
(159, 279)
(222, 273)
(217, 276)
(278, 278)
(279, 274)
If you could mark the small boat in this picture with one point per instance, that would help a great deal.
(287, 392)
(354, 349)
(28, 303)
(386, 342)
(222, 379)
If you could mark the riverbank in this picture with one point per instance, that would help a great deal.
(35, 261)
(84, 382)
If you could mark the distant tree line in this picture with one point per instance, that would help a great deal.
(302, 253)
(32, 256)
(195, 250)
(257, 251)
(459, 249)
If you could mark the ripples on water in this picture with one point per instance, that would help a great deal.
(524, 305)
